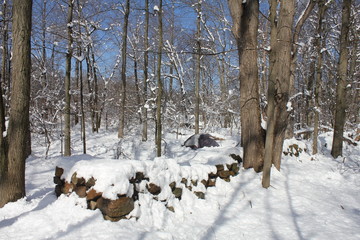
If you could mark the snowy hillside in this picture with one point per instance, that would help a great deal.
(313, 197)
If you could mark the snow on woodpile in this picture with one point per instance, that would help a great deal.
(114, 186)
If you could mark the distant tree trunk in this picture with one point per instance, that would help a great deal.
(198, 67)
(158, 136)
(340, 114)
(309, 7)
(308, 105)
(43, 35)
(67, 109)
(146, 59)
(79, 65)
(245, 18)
(96, 112)
(82, 112)
(137, 87)
(12, 182)
(172, 39)
(123, 71)
(317, 93)
(279, 81)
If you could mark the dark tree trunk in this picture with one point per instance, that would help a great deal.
(12, 182)
(340, 114)
(146, 59)
(317, 94)
(197, 68)
(279, 82)
(245, 18)
(309, 7)
(158, 136)
(67, 109)
(123, 71)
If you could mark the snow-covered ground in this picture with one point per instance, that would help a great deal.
(312, 197)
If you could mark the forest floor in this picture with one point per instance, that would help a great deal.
(312, 197)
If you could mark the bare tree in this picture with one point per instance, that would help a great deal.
(245, 25)
(146, 77)
(158, 136)
(67, 109)
(123, 70)
(279, 82)
(298, 27)
(198, 66)
(12, 182)
(319, 44)
(340, 114)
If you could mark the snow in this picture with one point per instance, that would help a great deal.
(312, 197)
(289, 107)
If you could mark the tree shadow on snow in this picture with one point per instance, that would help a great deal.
(48, 198)
(222, 219)
(272, 224)
(75, 227)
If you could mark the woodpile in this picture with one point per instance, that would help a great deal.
(116, 209)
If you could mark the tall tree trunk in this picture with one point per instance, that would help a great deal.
(198, 67)
(221, 69)
(96, 112)
(81, 85)
(279, 82)
(146, 59)
(123, 71)
(83, 128)
(12, 183)
(43, 53)
(172, 39)
(67, 133)
(245, 18)
(137, 87)
(317, 93)
(158, 136)
(306, 13)
(308, 105)
(340, 114)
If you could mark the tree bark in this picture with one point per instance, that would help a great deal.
(12, 182)
(158, 136)
(245, 18)
(95, 110)
(67, 109)
(340, 114)
(123, 71)
(306, 13)
(317, 93)
(81, 85)
(279, 82)
(146, 60)
(197, 67)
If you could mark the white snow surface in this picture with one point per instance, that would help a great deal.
(312, 197)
